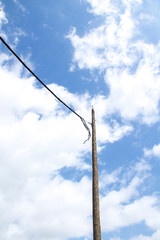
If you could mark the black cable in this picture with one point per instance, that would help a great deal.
(82, 119)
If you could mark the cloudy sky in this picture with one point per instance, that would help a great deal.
(99, 53)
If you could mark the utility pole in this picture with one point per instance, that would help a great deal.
(95, 187)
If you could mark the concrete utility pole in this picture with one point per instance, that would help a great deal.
(95, 188)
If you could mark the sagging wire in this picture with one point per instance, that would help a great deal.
(20, 60)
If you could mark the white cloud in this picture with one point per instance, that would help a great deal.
(17, 34)
(137, 94)
(105, 7)
(106, 133)
(41, 207)
(126, 206)
(20, 6)
(101, 7)
(108, 179)
(154, 152)
(3, 19)
(87, 47)
(141, 168)
(131, 66)
(155, 236)
(106, 45)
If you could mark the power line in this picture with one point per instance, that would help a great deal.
(20, 60)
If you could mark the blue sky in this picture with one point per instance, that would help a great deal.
(104, 54)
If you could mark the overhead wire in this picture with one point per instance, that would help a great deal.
(60, 100)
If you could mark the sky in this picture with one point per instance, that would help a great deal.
(99, 53)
